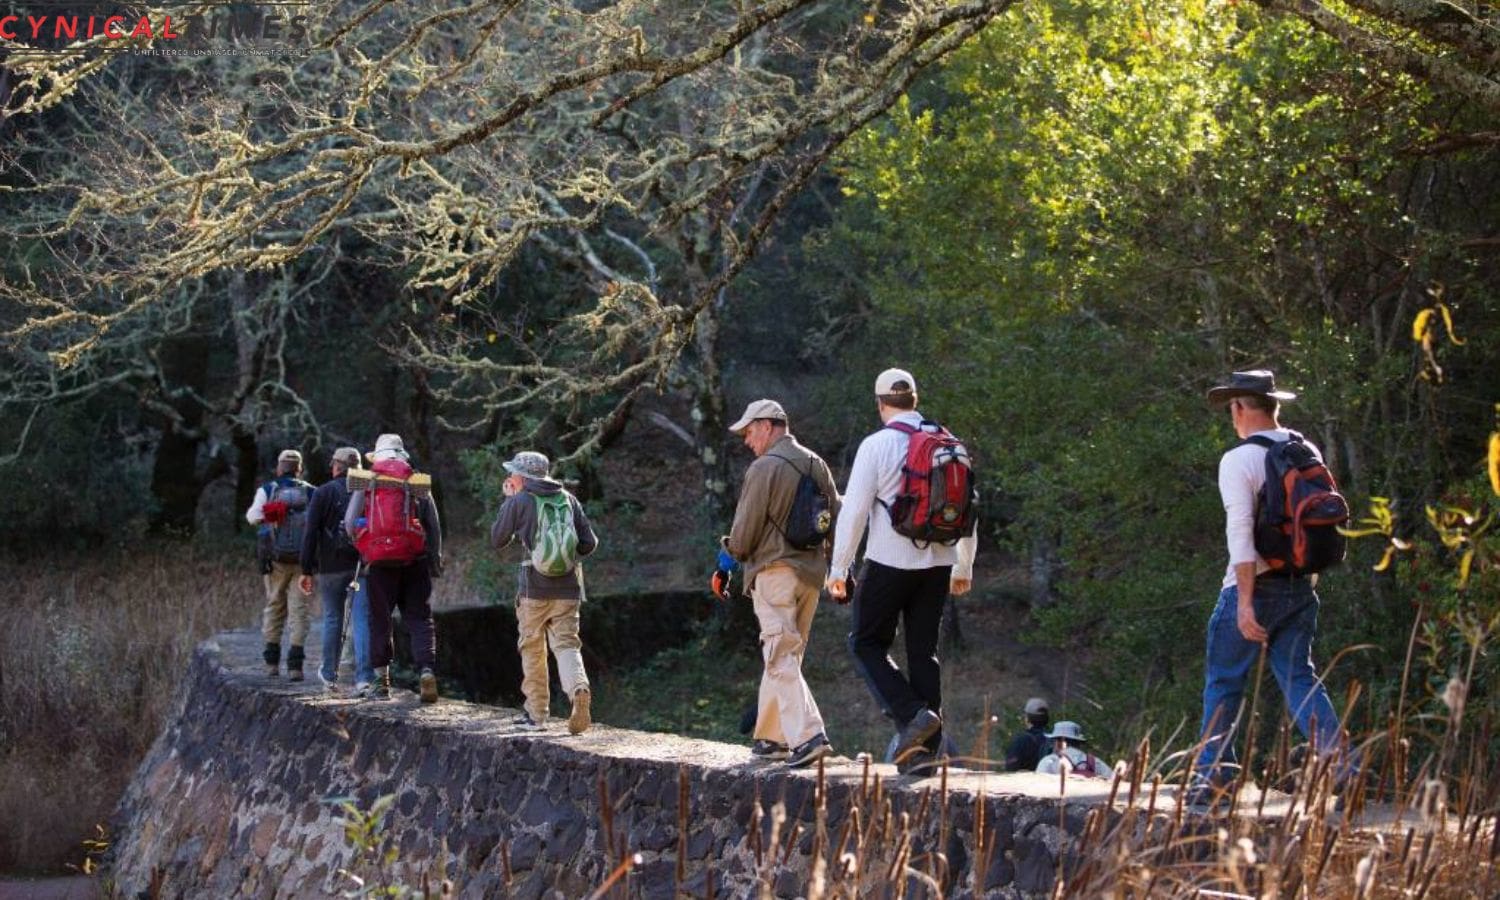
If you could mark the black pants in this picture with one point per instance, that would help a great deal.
(914, 598)
(408, 589)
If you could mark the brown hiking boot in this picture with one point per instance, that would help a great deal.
(579, 721)
(428, 685)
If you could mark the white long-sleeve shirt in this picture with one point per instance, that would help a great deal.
(256, 514)
(1242, 471)
(877, 476)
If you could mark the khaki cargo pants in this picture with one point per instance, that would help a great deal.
(543, 622)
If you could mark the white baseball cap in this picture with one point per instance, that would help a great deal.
(886, 382)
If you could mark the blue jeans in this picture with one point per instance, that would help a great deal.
(332, 589)
(1287, 608)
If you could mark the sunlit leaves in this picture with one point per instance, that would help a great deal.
(1424, 332)
(1459, 529)
(1381, 520)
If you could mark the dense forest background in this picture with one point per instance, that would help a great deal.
(1067, 221)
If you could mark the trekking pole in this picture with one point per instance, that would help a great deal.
(347, 624)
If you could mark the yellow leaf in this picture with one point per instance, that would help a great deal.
(1463, 568)
(1359, 532)
(1448, 324)
(1400, 544)
(1494, 462)
(1385, 560)
(1421, 324)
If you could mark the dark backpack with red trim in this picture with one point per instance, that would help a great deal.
(938, 502)
(1299, 509)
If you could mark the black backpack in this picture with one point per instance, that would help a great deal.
(1299, 509)
(342, 544)
(810, 518)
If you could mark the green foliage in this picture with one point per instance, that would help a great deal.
(84, 483)
(371, 871)
(1096, 208)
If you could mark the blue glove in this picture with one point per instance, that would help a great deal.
(727, 563)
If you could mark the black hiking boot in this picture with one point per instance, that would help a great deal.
(272, 656)
(294, 658)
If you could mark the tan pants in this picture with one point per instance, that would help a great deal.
(286, 605)
(784, 606)
(541, 622)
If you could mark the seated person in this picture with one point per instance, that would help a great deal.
(1027, 748)
(1067, 744)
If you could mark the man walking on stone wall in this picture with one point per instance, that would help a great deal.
(328, 554)
(279, 512)
(905, 581)
(1260, 606)
(780, 533)
(552, 526)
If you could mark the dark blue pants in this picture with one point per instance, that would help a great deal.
(913, 598)
(1288, 610)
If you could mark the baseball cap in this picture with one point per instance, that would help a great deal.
(885, 382)
(759, 409)
(290, 456)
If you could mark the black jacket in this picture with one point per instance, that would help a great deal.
(326, 550)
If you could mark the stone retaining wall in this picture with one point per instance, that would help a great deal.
(235, 800)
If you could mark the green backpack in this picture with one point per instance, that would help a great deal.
(554, 549)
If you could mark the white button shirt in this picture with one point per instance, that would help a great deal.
(877, 476)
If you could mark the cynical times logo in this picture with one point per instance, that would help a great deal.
(53, 25)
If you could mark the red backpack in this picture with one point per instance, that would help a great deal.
(938, 502)
(392, 534)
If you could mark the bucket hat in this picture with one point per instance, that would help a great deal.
(389, 446)
(530, 464)
(1069, 730)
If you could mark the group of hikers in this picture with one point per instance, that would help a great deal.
(373, 535)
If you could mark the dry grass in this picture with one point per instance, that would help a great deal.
(89, 660)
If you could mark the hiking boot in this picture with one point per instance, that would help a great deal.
(273, 670)
(328, 685)
(1204, 796)
(526, 723)
(362, 689)
(380, 689)
(579, 721)
(293, 673)
(428, 686)
(809, 752)
(922, 726)
(294, 658)
(768, 750)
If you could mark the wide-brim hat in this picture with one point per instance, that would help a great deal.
(1257, 382)
(389, 446)
(1068, 730)
(530, 464)
(759, 409)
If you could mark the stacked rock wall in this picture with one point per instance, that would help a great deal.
(240, 795)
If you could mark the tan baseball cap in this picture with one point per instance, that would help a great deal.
(759, 409)
(290, 456)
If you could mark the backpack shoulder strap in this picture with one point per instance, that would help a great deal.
(793, 463)
(1259, 440)
(902, 427)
